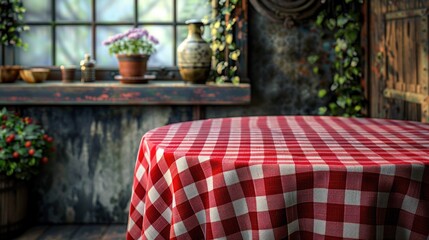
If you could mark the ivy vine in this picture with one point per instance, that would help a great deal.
(345, 93)
(12, 23)
(225, 51)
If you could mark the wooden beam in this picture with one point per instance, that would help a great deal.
(406, 96)
(406, 14)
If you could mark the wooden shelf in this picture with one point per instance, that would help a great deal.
(115, 93)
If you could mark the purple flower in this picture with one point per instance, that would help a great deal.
(134, 35)
(153, 39)
(107, 42)
(121, 36)
(132, 30)
(144, 32)
(117, 37)
(135, 40)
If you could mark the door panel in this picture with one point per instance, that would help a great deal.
(398, 62)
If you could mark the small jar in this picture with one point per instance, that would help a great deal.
(87, 67)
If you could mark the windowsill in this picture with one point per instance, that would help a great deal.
(115, 93)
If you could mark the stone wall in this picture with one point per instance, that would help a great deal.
(90, 179)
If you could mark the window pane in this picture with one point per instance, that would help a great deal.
(73, 10)
(111, 11)
(39, 52)
(37, 11)
(164, 54)
(72, 44)
(104, 32)
(192, 9)
(155, 10)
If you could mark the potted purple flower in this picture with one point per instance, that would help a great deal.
(132, 49)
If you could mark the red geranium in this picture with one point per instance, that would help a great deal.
(24, 146)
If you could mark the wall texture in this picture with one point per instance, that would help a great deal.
(282, 81)
(90, 179)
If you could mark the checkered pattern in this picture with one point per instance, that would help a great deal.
(293, 177)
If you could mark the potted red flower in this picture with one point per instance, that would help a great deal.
(24, 147)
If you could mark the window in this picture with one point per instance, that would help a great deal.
(62, 31)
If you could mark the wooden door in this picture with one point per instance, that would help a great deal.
(398, 59)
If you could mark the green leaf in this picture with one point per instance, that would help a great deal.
(358, 108)
(12, 166)
(331, 24)
(333, 106)
(349, 101)
(341, 102)
(341, 80)
(22, 151)
(2, 162)
(38, 153)
(320, 18)
(341, 21)
(351, 36)
(32, 162)
(316, 70)
(312, 59)
(322, 93)
(323, 110)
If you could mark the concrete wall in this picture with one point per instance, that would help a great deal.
(90, 179)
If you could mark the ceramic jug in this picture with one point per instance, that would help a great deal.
(194, 54)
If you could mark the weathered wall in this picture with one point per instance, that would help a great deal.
(90, 179)
(282, 81)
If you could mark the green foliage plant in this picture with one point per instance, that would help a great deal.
(345, 92)
(12, 23)
(226, 53)
(24, 146)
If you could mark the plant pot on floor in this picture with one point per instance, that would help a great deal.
(13, 206)
(24, 147)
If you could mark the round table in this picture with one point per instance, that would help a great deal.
(275, 177)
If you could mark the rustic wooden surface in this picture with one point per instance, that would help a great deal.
(59, 232)
(398, 58)
(75, 232)
(114, 93)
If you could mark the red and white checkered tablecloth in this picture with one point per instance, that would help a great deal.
(293, 177)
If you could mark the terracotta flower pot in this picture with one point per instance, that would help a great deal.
(133, 65)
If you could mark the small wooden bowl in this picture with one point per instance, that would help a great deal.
(9, 74)
(34, 75)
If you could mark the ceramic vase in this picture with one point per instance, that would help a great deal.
(194, 55)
